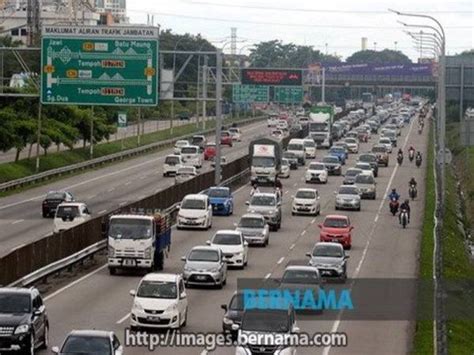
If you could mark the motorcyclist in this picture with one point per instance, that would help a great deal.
(400, 152)
(255, 189)
(418, 157)
(405, 206)
(412, 182)
(278, 187)
(411, 153)
(394, 195)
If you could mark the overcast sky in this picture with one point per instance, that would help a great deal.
(339, 23)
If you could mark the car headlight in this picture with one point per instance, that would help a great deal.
(172, 308)
(147, 253)
(272, 213)
(239, 255)
(111, 251)
(215, 269)
(188, 269)
(227, 321)
(21, 329)
(137, 306)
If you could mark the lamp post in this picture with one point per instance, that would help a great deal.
(174, 81)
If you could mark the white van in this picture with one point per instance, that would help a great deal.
(296, 146)
(69, 215)
(195, 211)
(309, 148)
(191, 155)
(172, 164)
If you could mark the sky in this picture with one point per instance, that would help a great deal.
(335, 27)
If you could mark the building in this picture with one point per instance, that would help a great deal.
(116, 8)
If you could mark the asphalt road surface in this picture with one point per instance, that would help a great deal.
(380, 249)
(103, 190)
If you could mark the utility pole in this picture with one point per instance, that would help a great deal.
(138, 125)
(217, 176)
(91, 147)
(38, 137)
(204, 91)
(323, 86)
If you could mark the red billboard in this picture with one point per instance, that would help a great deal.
(272, 77)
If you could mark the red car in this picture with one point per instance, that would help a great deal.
(209, 151)
(336, 229)
(226, 138)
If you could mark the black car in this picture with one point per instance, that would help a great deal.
(233, 313)
(292, 160)
(90, 342)
(53, 199)
(333, 164)
(24, 323)
(372, 160)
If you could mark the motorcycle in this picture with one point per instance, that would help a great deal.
(420, 130)
(412, 192)
(418, 162)
(394, 206)
(400, 159)
(404, 218)
(411, 155)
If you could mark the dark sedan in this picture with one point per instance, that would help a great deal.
(52, 200)
(333, 164)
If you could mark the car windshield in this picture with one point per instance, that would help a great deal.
(67, 212)
(368, 157)
(379, 149)
(309, 144)
(218, 193)
(295, 146)
(364, 179)
(338, 150)
(157, 289)
(225, 134)
(197, 140)
(350, 140)
(289, 155)
(248, 222)
(76, 344)
(352, 172)
(260, 200)
(227, 239)
(284, 162)
(304, 277)
(181, 143)
(193, 204)
(263, 162)
(189, 150)
(316, 166)
(385, 141)
(211, 146)
(237, 302)
(306, 194)
(130, 228)
(333, 160)
(266, 321)
(172, 160)
(186, 171)
(14, 303)
(348, 190)
(336, 223)
(363, 166)
(204, 255)
(55, 196)
(328, 251)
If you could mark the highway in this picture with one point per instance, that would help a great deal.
(103, 190)
(380, 249)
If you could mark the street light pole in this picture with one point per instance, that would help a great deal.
(217, 171)
(174, 81)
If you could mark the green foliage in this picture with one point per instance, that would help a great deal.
(378, 57)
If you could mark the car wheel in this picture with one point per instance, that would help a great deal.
(293, 213)
(185, 318)
(358, 208)
(45, 340)
(112, 271)
(45, 215)
(337, 208)
(31, 345)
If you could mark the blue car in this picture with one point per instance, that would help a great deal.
(339, 152)
(221, 200)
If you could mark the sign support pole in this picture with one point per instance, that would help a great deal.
(139, 122)
(91, 148)
(217, 171)
(204, 91)
(38, 137)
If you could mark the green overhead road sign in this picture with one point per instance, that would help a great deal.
(250, 93)
(288, 94)
(95, 65)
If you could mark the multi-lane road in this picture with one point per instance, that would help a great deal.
(380, 249)
(103, 190)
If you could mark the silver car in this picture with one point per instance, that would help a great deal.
(350, 175)
(330, 259)
(205, 265)
(269, 206)
(367, 186)
(348, 197)
(254, 228)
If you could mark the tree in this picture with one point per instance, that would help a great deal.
(378, 57)
(24, 130)
(7, 136)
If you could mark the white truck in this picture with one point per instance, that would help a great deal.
(265, 160)
(138, 241)
(319, 129)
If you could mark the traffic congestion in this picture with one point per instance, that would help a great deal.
(320, 200)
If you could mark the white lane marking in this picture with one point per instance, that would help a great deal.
(148, 161)
(111, 189)
(18, 221)
(267, 276)
(313, 220)
(68, 286)
(102, 212)
(121, 320)
(91, 197)
(292, 246)
(281, 260)
(286, 191)
(123, 203)
(18, 247)
(366, 248)
(303, 232)
(127, 183)
(376, 218)
(143, 177)
(295, 184)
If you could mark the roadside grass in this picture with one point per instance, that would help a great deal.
(423, 340)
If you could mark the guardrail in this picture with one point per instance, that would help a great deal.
(13, 184)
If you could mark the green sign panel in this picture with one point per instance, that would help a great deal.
(122, 119)
(95, 65)
(288, 94)
(323, 109)
(250, 93)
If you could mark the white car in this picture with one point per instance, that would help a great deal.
(172, 164)
(366, 168)
(180, 144)
(191, 155)
(387, 142)
(185, 173)
(285, 169)
(309, 148)
(236, 134)
(272, 122)
(233, 246)
(306, 201)
(277, 133)
(316, 172)
(160, 301)
(282, 124)
(195, 211)
(70, 214)
(352, 144)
